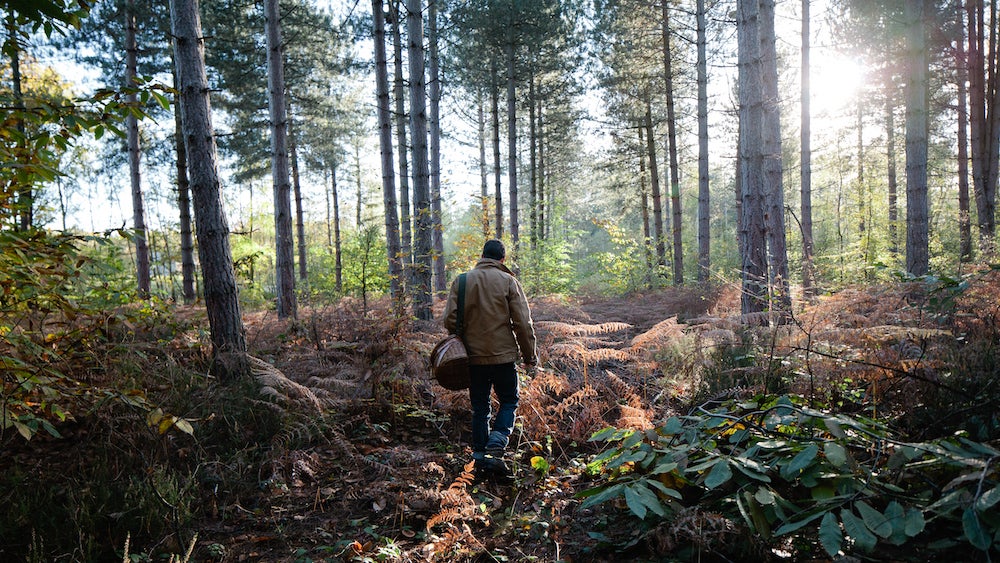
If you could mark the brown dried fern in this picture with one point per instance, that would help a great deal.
(456, 503)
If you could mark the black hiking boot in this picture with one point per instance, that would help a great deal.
(493, 467)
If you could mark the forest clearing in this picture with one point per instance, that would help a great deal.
(758, 241)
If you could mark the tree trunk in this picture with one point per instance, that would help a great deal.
(495, 113)
(864, 238)
(647, 248)
(360, 189)
(25, 212)
(300, 226)
(675, 177)
(283, 240)
(434, 95)
(385, 143)
(221, 292)
(515, 236)
(338, 265)
(982, 115)
(704, 195)
(132, 134)
(774, 193)
(543, 222)
(805, 159)
(751, 181)
(532, 163)
(892, 180)
(917, 235)
(484, 193)
(329, 219)
(964, 216)
(654, 182)
(421, 174)
(183, 203)
(405, 220)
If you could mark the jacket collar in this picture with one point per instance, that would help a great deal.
(491, 263)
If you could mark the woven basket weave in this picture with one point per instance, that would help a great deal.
(450, 363)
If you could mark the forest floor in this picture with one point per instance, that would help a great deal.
(397, 481)
(344, 449)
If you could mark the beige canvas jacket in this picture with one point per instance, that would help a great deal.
(498, 325)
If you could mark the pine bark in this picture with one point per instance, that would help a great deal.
(515, 230)
(495, 115)
(421, 173)
(704, 195)
(338, 247)
(300, 225)
(132, 139)
(751, 180)
(675, 179)
(484, 193)
(654, 182)
(532, 164)
(184, 203)
(774, 194)
(964, 215)
(221, 291)
(917, 236)
(647, 248)
(283, 240)
(434, 97)
(399, 94)
(385, 143)
(983, 124)
(805, 160)
(25, 194)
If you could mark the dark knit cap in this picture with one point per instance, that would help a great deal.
(494, 249)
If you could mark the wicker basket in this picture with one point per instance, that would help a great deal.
(450, 363)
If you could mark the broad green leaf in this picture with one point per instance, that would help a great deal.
(719, 474)
(798, 524)
(649, 498)
(896, 516)
(835, 454)
(673, 425)
(754, 515)
(635, 503)
(914, 522)
(800, 462)
(49, 428)
(764, 495)
(830, 535)
(874, 519)
(665, 467)
(665, 489)
(633, 457)
(603, 434)
(974, 530)
(597, 495)
(834, 427)
(988, 499)
(857, 530)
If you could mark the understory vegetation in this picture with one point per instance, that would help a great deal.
(658, 429)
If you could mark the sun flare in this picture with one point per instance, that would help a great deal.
(835, 83)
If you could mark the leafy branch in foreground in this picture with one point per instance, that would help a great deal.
(781, 467)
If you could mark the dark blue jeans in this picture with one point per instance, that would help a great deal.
(501, 378)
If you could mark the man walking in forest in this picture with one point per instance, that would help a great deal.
(497, 330)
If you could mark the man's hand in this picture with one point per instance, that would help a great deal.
(531, 369)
